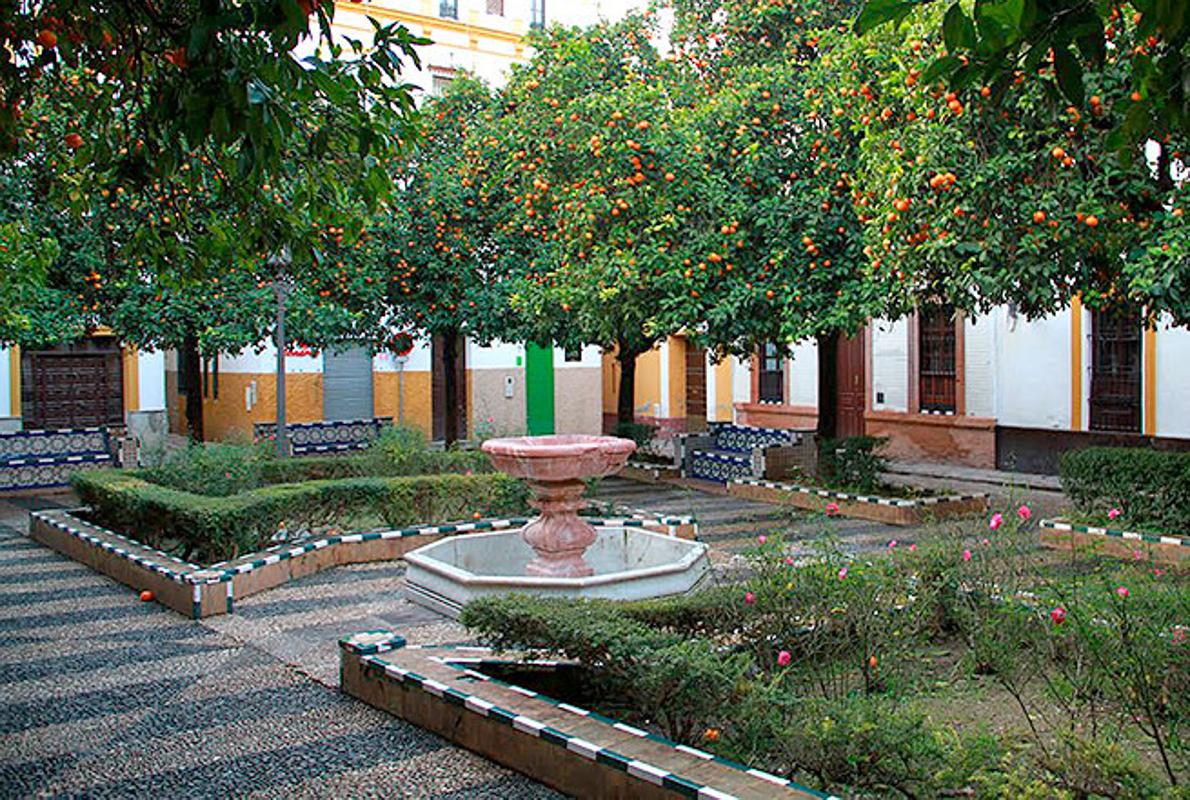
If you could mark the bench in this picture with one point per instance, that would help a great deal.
(45, 459)
(727, 451)
(327, 436)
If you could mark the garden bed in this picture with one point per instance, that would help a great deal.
(1065, 534)
(199, 591)
(447, 690)
(971, 667)
(890, 510)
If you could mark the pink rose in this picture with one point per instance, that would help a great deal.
(789, 561)
(1179, 635)
(784, 658)
(1113, 514)
(1058, 615)
(892, 545)
(749, 598)
(912, 548)
(1024, 512)
(762, 539)
(1122, 591)
(966, 555)
(1138, 555)
(996, 521)
(843, 573)
(831, 509)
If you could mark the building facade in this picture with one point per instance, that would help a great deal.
(994, 391)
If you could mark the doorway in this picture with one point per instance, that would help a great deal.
(1115, 372)
(850, 385)
(440, 356)
(76, 385)
(539, 389)
(347, 384)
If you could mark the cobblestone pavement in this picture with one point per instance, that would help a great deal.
(104, 696)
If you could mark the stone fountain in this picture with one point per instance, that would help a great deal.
(558, 553)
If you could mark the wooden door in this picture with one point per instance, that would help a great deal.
(696, 388)
(73, 386)
(1115, 372)
(850, 385)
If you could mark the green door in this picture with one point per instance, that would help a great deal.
(539, 389)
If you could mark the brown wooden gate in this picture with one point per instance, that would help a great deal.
(1115, 372)
(696, 388)
(850, 385)
(73, 386)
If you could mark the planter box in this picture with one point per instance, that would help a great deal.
(573, 750)
(198, 591)
(1063, 534)
(648, 472)
(890, 510)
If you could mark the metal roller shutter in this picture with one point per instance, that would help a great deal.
(347, 384)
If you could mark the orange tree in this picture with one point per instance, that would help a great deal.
(445, 271)
(597, 189)
(982, 199)
(783, 164)
(187, 261)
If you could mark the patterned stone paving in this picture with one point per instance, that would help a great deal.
(104, 696)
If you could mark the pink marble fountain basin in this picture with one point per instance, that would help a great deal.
(563, 457)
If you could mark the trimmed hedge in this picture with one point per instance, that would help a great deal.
(210, 529)
(1151, 487)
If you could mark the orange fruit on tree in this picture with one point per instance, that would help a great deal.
(47, 39)
(1091, 220)
(1039, 216)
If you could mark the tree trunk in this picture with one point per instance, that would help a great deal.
(450, 386)
(626, 400)
(190, 368)
(828, 390)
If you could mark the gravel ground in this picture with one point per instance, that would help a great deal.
(104, 696)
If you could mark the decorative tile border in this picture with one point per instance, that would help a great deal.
(896, 511)
(206, 591)
(1064, 533)
(367, 650)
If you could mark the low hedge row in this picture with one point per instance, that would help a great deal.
(209, 529)
(1151, 487)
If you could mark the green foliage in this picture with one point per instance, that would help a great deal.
(854, 463)
(214, 469)
(641, 433)
(825, 669)
(1150, 487)
(993, 42)
(213, 529)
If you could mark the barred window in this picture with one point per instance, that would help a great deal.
(772, 374)
(448, 9)
(1115, 372)
(936, 346)
(537, 13)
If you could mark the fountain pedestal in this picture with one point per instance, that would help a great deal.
(558, 554)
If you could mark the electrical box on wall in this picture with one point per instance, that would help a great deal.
(508, 386)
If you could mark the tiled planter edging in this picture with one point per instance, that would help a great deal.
(890, 510)
(1064, 534)
(202, 592)
(648, 472)
(571, 749)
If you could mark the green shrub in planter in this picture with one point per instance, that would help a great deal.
(853, 464)
(212, 529)
(1151, 487)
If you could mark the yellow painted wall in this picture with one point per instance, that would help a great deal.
(648, 382)
(14, 381)
(228, 416)
(611, 382)
(417, 398)
(722, 399)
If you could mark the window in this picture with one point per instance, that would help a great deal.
(1115, 372)
(936, 346)
(537, 13)
(772, 374)
(448, 9)
(573, 354)
(496, 7)
(438, 84)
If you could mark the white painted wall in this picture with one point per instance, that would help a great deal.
(890, 364)
(264, 360)
(803, 375)
(979, 373)
(1173, 381)
(741, 381)
(498, 355)
(150, 380)
(590, 357)
(418, 361)
(5, 383)
(1033, 370)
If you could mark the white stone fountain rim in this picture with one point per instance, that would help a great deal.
(420, 559)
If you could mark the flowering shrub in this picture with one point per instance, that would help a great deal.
(877, 674)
